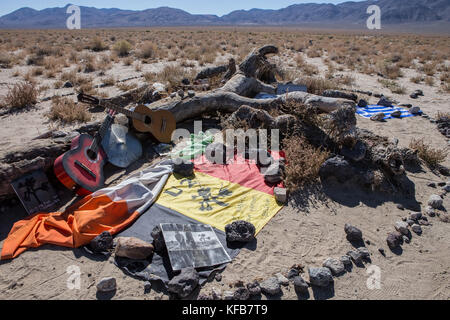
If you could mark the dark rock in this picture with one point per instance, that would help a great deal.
(406, 239)
(417, 229)
(107, 285)
(415, 216)
(356, 256)
(365, 254)
(147, 286)
(336, 266)
(383, 253)
(431, 185)
(338, 168)
(396, 114)
(435, 201)
(394, 239)
(218, 277)
(353, 233)
(346, 261)
(68, 84)
(185, 283)
(400, 207)
(413, 95)
(241, 293)
(185, 81)
(186, 169)
(280, 195)
(300, 285)
(402, 227)
(191, 93)
(102, 242)
(254, 288)
(384, 102)
(320, 277)
(356, 154)
(378, 117)
(292, 273)
(362, 103)
(272, 174)
(240, 231)
(158, 239)
(271, 286)
(282, 280)
(181, 93)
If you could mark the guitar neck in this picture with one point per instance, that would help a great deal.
(119, 109)
(102, 132)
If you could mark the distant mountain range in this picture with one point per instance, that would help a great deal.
(345, 14)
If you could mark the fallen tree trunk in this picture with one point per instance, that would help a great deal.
(228, 102)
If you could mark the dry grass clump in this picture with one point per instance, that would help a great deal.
(67, 111)
(393, 86)
(122, 48)
(171, 75)
(317, 85)
(5, 60)
(97, 45)
(432, 157)
(148, 50)
(21, 95)
(303, 162)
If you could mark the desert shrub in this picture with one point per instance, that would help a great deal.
(21, 95)
(5, 60)
(303, 162)
(67, 111)
(97, 45)
(122, 48)
(431, 156)
(149, 50)
(429, 81)
(389, 70)
(317, 85)
(393, 86)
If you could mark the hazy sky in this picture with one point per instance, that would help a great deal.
(219, 7)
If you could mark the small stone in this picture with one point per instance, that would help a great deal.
(183, 168)
(415, 216)
(181, 93)
(362, 103)
(240, 231)
(346, 260)
(406, 239)
(292, 273)
(394, 239)
(385, 102)
(430, 211)
(228, 295)
(271, 286)
(158, 239)
(173, 95)
(107, 284)
(413, 96)
(280, 195)
(400, 207)
(356, 256)
(402, 227)
(381, 250)
(184, 283)
(102, 242)
(419, 92)
(414, 110)
(431, 185)
(365, 254)
(147, 286)
(417, 229)
(396, 114)
(336, 266)
(133, 248)
(424, 223)
(241, 294)
(191, 93)
(320, 277)
(254, 288)
(435, 201)
(218, 277)
(353, 233)
(272, 174)
(68, 84)
(378, 117)
(410, 222)
(300, 285)
(282, 280)
(185, 81)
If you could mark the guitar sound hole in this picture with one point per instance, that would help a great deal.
(148, 120)
(91, 154)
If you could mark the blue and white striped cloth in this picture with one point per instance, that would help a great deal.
(371, 110)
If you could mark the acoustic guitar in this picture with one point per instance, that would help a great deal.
(81, 168)
(160, 123)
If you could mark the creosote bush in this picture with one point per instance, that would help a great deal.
(67, 111)
(432, 157)
(21, 95)
(303, 162)
(122, 48)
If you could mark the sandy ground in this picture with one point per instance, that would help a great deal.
(309, 230)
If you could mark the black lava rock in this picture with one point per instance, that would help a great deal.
(102, 242)
(353, 233)
(240, 231)
(185, 283)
